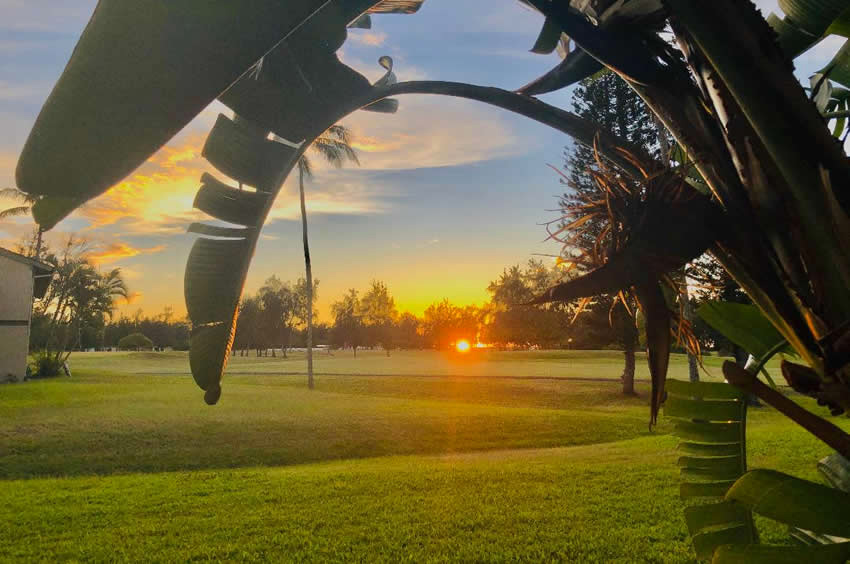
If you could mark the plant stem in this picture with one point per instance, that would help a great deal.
(819, 427)
(309, 273)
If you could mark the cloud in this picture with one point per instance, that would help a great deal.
(335, 192)
(431, 131)
(370, 38)
(116, 251)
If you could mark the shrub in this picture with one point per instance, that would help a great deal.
(135, 341)
(46, 365)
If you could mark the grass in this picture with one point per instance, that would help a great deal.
(125, 462)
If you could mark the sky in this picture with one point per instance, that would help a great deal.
(448, 192)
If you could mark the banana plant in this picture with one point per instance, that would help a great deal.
(777, 176)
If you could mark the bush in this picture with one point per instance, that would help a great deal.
(135, 341)
(46, 365)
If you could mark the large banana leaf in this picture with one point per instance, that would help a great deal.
(140, 72)
(806, 22)
(711, 417)
(297, 92)
(794, 501)
(766, 554)
(745, 325)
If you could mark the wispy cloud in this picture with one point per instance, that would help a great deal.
(119, 250)
(371, 38)
(431, 132)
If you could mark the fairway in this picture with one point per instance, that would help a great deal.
(420, 456)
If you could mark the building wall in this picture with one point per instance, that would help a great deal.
(15, 312)
(14, 343)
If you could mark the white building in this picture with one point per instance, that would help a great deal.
(22, 279)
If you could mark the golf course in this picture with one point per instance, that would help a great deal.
(419, 456)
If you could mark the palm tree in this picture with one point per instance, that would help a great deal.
(334, 145)
(26, 206)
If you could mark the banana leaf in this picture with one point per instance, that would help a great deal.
(794, 501)
(744, 325)
(765, 554)
(139, 73)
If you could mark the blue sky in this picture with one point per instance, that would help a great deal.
(449, 192)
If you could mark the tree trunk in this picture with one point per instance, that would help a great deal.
(38, 243)
(629, 372)
(688, 314)
(355, 351)
(630, 342)
(308, 268)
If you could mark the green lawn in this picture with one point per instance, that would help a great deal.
(420, 456)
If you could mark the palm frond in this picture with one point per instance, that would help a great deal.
(14, 212)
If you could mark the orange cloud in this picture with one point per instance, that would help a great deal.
(117, 251)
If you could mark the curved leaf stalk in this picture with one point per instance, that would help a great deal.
(582, 130)
(830, 434)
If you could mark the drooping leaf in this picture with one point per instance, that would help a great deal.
(793, 501)
(837, 553)
(296, 95)
(792, 40)
(50, 210)
(743, 324)
(689, 490)
(708, 432)
(218, 231)
(704, 516)
(104, 117)
(213, 280)
(576, 66)
(363, 22)
(229, 204)
(700, 449)
(658, 320)
(208, 353)
(245, 154)
(548, 38)
(710, 474)
(704, 390)
(389, 77)
(706, 542)
(812, 16)
(384, 106)
(716, 410)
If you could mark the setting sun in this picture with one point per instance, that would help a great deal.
(462, 346)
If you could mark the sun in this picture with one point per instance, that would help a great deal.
(462, 346)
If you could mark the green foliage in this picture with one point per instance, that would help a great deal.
(444, 324)
(46, 365)
(714, 416)
(794, 501)
(764, 554)
(510, 321)
(135, 341)
(744, 325)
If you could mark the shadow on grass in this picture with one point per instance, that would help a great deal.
(105, 425)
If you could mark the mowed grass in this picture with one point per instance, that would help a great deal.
(125, 462)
